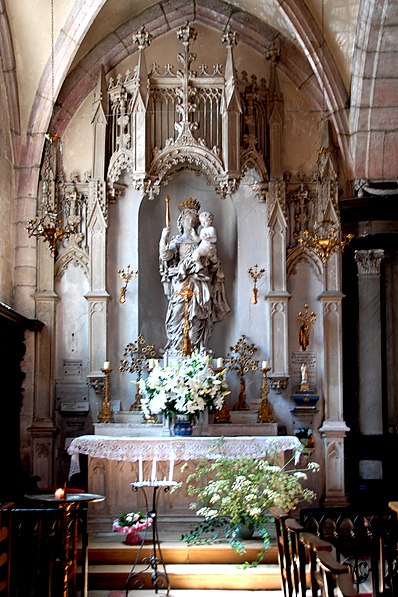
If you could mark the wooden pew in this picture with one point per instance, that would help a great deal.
(309, 564)
(365, 541)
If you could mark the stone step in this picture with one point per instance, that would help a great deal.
(189, 567)
(180, 553)
(226, 577)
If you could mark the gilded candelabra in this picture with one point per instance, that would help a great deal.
(306, 321)
(127, 276)
(138, 352)
(265, 411)
(240, 359)
(255, 275)
(50, 223)
(325, 239)
(186, 346)
(105, 414)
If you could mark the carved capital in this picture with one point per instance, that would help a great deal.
(97, 383)
(368, 262)
(278, 383)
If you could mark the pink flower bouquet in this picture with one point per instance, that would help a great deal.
(129, 524)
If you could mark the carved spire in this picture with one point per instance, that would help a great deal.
(275, 110)
(142, 39)
(231, 109)
(99, 123)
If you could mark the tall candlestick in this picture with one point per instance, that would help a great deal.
(171, 470)
(167, 200)
(140, 469)
(153, 472)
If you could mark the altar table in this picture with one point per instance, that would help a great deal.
(115, 462)
(177, 448)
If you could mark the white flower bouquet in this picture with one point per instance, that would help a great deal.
(186, 387)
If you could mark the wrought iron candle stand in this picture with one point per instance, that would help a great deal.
(160, 579)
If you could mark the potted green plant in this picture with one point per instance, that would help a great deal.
(236, 494)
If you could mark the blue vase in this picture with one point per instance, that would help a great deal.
(182, 427)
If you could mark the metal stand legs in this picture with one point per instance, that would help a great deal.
(159, 578)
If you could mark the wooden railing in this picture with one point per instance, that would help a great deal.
(32, 551)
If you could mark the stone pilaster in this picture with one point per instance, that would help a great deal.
(370, 362)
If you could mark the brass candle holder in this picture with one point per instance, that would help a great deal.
(265, 412)
(105, 414)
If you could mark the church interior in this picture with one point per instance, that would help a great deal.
(183, 177)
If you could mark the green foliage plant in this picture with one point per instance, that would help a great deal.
(231, 492)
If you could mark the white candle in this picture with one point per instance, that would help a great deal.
(107, 365)
(153, 472)
(220, 362)
(59, 494)
(140, 469)
(150, 364)
(171, 469)
(265, 365)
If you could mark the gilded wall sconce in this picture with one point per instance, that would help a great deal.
(255, 275)
(305, 321)
(127, 276)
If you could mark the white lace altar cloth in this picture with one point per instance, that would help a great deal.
(178, 448)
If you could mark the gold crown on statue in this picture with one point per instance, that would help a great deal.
(189, 203)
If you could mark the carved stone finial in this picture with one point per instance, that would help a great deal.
(230, 38)
(186, 33)
(273, 52)
(142, 38)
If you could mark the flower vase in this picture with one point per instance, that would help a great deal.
(182, 427)
(245, 531)
(133, 538)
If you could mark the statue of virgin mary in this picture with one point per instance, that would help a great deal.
(179, 270)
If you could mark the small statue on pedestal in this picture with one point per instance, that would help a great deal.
(304, 377)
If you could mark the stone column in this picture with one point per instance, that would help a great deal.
(97, 296)
(370, 361)
(334, 429)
